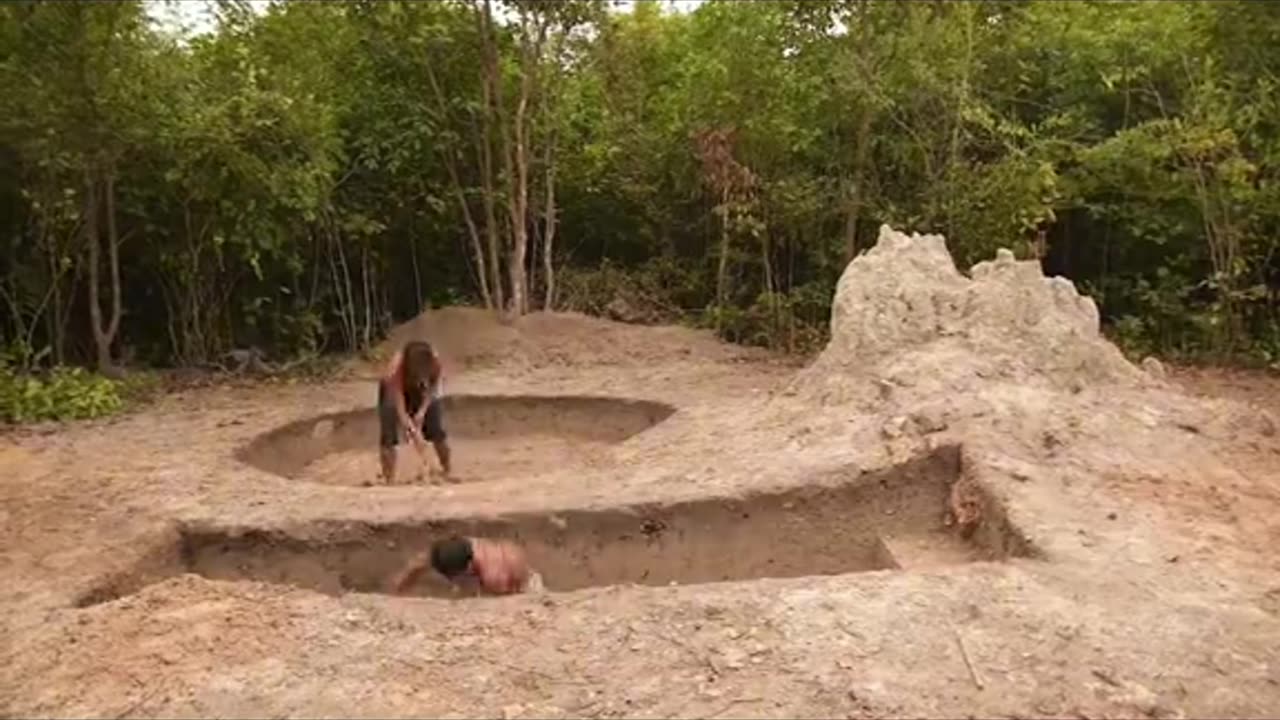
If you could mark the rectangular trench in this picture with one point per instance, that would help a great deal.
(892, 519)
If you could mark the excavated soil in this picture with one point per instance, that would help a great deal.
(969, 505)
(896, 519)
(492, 437)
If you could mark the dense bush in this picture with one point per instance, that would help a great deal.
(60, 394)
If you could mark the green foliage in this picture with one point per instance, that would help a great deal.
(61, 394)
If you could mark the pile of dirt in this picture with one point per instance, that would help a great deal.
(904, 314)
(477, 338)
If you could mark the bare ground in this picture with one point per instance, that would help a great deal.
(1147, 587)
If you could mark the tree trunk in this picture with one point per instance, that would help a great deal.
(518, 169)
(492, 95)
(451, 164)
(477, 251)
(722, 271)
(53, 320)
(55, 329)
(548, 242)
(856, 195)
(534, 254)
(92, 235)
(113, 261)
(367, 293)
(417, 275)
(770, 287)
(342, 285)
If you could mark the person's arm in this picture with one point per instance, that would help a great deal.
(426, 403)
(421, 415)
(432, 392)
(402, 411)
(410, 573)
(435, 383)
(393, 379)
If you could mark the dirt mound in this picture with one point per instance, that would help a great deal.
(903, 312)
(473, 337)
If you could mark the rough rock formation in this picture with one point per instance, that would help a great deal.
(903, 314)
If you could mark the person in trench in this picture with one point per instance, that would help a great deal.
(494, 567)
(409, 402)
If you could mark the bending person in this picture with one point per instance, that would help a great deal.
(409, 393)
(499, 568)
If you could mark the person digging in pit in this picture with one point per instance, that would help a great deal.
(409, 400)
(497, 567)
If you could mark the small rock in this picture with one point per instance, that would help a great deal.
(511, 711)
(929, 421)
(558, 521)
(1111, 516)
(322, 429)
(894, 428)
(1267, 424)
(1153, 367)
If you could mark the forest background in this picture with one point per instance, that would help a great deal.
(298, 177)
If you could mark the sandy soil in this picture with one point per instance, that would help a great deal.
(1147, 585)
(477, 460)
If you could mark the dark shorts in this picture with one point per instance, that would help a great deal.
(432, 423)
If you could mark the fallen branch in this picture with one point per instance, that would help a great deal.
(137, 704)
(964, 653)
(1106, 678)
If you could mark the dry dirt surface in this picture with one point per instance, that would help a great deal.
(969, 505)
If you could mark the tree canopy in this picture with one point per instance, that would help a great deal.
(299, 179)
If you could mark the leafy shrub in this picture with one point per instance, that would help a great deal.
(779, 321)
(61, 394)
(659, 291)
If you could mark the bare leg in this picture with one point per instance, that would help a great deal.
(443, 453)
(388, 457)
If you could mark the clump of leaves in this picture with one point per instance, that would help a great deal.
(64, 393)
(140, 387)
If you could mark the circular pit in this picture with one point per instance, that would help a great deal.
(492, 437)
